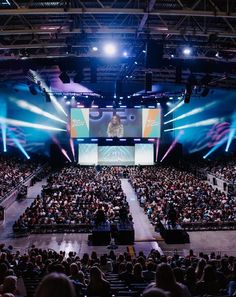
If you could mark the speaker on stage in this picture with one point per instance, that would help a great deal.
(148, 81)
(154, 53)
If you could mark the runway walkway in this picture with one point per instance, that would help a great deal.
(144, 231)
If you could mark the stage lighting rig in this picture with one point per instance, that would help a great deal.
(110, 49)
(64, 77)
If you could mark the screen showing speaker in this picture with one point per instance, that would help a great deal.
(121, 123)
(92, 154)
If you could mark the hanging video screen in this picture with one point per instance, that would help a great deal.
(110, 123)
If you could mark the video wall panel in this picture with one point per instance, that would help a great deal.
(144, 154)
(92, 154)
(88, 154)
(116, 155)
(109, 122)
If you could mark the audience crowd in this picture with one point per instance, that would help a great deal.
(13, 171)
(78, 196)
(161, 188)
(61, 275)
(225, 170)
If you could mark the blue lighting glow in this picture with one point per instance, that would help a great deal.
(219, 144)
(230, 139)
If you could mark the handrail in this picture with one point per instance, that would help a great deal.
(221, 178)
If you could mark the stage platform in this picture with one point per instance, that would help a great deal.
(175, 235)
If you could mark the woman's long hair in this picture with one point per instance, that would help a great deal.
(166, 281)
(55, 285)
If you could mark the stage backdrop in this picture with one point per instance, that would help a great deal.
(92, 154)
(109, 122)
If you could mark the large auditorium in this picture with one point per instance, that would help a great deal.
(117, 148)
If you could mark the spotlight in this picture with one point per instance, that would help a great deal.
(79, 77)
(187, 51)
(68, 102)
(214, 148)
(44, 86)
(230, 139)
(188, 93)
(47, 96)
(35, 109)
(33, 90)
(64, 77)
(110, 49)
(4, 138)
(125, 54)
(136, 63)
(95, 49)
(174, 108)
(187, 97)
(191, 112)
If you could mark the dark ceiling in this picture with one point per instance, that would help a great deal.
(50, 36)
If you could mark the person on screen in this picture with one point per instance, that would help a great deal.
(115, 127)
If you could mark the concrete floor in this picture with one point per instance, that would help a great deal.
(207, 241)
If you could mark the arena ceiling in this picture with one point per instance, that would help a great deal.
(53, 35)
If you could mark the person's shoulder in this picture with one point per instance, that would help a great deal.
(185, 290)
(153, 291)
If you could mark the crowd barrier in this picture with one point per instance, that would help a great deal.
(209, 226)
(11, 196)
(221, 184)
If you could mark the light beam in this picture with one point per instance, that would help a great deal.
(197, 124)
(219, 144)
(35, 109)
(174, 108)
(4, 136)
(230, 139)
(72, 148)
(29, 125)
(172, 145)
(44, 86)
(157, 148)
(65, 154)
(18, 144)
(190, 113)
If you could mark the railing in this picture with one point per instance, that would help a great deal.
(14, 192)
(209, 226)
(185, 252)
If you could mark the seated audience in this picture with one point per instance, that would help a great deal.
(98, 286)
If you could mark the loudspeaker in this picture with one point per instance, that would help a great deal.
(93, 71)
(33, 90)
(154, 54)
(148, 81)
(178, 74)
(119, 88)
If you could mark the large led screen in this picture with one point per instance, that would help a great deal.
(88, 154)
(109, 122)
(144, 154)
(92, 154)
(116, 155)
